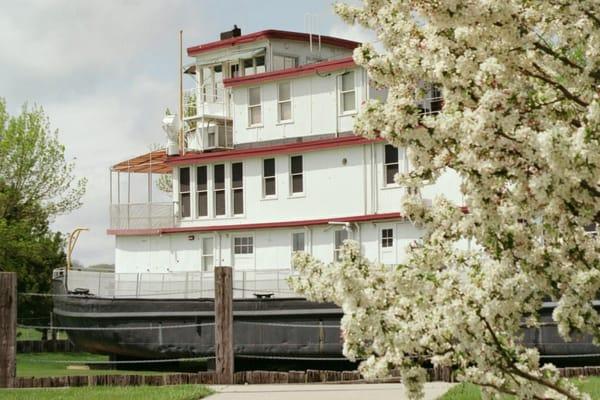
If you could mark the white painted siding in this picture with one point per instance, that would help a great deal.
(272, 248)
(315, 108)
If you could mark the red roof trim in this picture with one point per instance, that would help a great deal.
(270, 34)
(264, 225)
(307, 69)
(307, 146)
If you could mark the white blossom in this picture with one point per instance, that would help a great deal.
(520, 125)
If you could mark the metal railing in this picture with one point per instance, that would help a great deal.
(205, 100)
(142, 216)
(178, 285)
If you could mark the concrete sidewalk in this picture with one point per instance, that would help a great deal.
(379, 391)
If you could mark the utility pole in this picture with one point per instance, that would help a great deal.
(8, 328)
(224, 325)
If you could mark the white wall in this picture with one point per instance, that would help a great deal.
(338, 182)
(272, 248)
(315, 108)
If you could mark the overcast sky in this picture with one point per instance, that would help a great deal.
(105, 71)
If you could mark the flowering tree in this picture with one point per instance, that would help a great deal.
(520, 124)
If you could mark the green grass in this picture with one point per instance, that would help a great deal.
(45, 364)
(178, 392)
(34, 334)
(28, 334)
(467, 391)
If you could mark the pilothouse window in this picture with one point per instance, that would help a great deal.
(254, 106)
(283, 62)
(347, 93)
(284, 101)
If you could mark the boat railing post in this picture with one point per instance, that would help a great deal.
(99, 282)
(243, 284)
(187, 287)
(201, 283)
(137, 285)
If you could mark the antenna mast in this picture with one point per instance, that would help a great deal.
(181, 138)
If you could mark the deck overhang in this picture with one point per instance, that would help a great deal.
(153, 162)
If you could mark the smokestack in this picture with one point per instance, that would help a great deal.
(235, 32)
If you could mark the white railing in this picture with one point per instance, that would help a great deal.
(142, 216)
(178, 285)
(206, 100)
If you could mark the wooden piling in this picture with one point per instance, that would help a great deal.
(8, 328)
(224, 325)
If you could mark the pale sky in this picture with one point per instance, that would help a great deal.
(105, 71)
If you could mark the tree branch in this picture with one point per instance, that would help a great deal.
(557, 85)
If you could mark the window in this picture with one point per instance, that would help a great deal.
(219, 191)
(218, 84)
(347, 93)
(202, 190)
(243, 245)
(184, 192)
(284, 101)
(254, 109)
(298, 242)
(432, 102)
(390, 164)
(283, 62)
(339, 238)
(387, 238)
(297, 184)
(208, 259)
(237, 188)
(269, 181)
(234, 70)
(254, 65)
(591, 229)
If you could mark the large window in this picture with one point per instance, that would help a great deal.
(243, 245)
(237, 188)
(298, 242)
(202, 190)
(208, 259)
(391, 163)
(347, 93)
(269, 180)
(219, 189)
(296, 175)
(254, 108)
(184, 192)
(339, 237)
(284, 102)
(254, 65)
(283, 62)
(387, 238)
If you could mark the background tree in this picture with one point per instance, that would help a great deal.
(520, 125)
(36, 184)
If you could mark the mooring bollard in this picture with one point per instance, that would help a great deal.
(8, 328)
(224, 325)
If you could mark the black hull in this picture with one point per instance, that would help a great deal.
(314, 338)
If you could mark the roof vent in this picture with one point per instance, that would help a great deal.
(235, 32)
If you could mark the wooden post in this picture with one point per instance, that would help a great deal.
(224, 325)
(8, 328)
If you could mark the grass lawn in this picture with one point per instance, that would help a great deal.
(466, 391)
(28, 334)
(179, 392)
(44, 364)
(34, 334)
